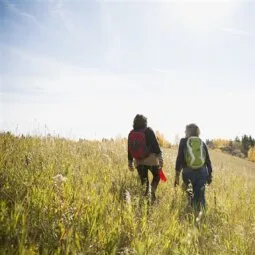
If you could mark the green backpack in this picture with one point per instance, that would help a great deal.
(195, 153)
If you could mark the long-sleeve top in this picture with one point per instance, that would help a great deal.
(151, 143)
(180, 160)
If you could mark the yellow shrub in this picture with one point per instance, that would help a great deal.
(162, 141)
(251, 154)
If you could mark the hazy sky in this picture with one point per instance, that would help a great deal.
(84, 68)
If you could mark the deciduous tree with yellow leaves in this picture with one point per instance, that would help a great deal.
(251, 154)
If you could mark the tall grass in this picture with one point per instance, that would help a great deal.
(88, 213)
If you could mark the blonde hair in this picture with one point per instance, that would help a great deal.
(192, 130)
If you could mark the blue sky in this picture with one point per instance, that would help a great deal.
(85, 68)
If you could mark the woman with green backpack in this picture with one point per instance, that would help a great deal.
(194, 161)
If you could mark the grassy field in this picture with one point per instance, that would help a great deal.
(86, 213)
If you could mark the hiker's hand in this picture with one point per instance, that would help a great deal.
(209, 179)
(130, 166)
(177, 179)
(161, 161)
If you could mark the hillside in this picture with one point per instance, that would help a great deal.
(84, 212)
(238, 165)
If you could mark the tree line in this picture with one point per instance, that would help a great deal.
(243, 147)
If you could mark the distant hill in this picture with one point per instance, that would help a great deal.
(243, 147)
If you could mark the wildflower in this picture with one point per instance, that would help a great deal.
(59, 179)
(199, 216)
(128, 197)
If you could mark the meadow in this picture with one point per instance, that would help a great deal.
(85, 209)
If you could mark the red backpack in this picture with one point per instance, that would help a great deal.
(137, 144)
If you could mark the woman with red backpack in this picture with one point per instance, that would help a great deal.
(144, 148)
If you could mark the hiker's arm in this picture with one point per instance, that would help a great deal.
(180, 157)
(208, 161)
(130, 158)
(208, 165)
(179, 162)
(130, 162)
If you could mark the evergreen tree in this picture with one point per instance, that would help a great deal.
(237, 140)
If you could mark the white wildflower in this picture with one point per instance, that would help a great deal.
(128, 197)
(59, 179)
(199, 217)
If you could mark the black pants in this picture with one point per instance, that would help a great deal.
(143, 174)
